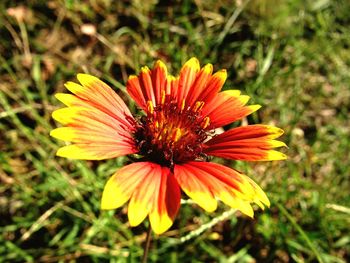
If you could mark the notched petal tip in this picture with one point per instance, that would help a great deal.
(245, 208)
(254, 108)
(275, 131)
(145, 70)
(275, 156)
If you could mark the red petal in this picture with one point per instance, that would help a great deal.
(166, 202)
(187, 77)
(213, 86)
(148, 85)
(152, 191)
(249, 143)
(199, 85)
(227, 107)
(204, 182)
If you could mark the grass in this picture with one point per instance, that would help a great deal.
(292, 57)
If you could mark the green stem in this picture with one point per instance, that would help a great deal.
(148, 242)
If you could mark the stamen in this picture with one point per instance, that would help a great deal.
(176, 135)
(182, 105)
(201, 106)
(198, 106)
(172, 132)
(150, 107)
(162, 97)
(205, 123)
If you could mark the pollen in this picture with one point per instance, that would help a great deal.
(172, 133)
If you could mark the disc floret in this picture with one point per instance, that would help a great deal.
(170, 133)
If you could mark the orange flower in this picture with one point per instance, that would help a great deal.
(173, 138)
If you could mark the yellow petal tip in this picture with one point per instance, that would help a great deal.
(275, 156)
(221, 74)
(208, 68)
(244, 99)
(233, 92)
(160, 64)
(254, 108)
(145, 69)
(192, 63)
(132, 77)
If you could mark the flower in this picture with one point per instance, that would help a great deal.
(172, 140)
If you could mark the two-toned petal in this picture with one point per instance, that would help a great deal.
(122, 185)
(95, 134)
(249, 143)
(187, 77)
(227, 106)
(99, 95)
(206, 182)
(198, 85)
(152, 191)
(210, 89)
(150, 85)
(96, 121)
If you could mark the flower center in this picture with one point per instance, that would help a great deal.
(172, 133)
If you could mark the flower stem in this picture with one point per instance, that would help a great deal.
(148, 242)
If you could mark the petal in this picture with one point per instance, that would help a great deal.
(91, 119)
(100, 96)
(98, 135)
(72, 100)
(145, 79)
(166, 203)
(133, 87)
(152, 191)
(141, 201)
(123, 184)
(201, 82)
(195, 187)
(148, 85)
(249, 143)
(95, 151)
(227, 107)
(187, 77)
(159, 78)
(221, 182)
(172, 86)
(213, 86)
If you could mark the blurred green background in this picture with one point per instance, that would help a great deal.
(292, 57)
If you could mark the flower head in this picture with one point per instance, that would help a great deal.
(174, 137)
